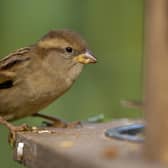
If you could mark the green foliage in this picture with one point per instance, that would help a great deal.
(114, 31)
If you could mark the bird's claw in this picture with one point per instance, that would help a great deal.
(74, 124)
(13, 131)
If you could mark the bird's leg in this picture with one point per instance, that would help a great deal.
(13, 129)
(57, 122)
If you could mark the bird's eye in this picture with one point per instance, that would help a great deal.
(69, 49)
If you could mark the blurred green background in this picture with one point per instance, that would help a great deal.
(114, 31)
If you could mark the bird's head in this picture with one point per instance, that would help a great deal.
(65, 49)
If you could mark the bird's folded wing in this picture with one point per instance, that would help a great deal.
(13, 63)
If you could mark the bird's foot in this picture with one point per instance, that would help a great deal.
(74, 124)
(13, 130)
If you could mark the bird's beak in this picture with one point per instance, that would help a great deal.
(85, 58)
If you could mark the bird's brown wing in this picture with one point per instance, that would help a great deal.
(11, 64)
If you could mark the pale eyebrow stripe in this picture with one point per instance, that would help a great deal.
(56, 49)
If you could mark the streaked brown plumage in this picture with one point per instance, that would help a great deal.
(33, 77)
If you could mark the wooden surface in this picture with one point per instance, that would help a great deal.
(85, 147)
(156, 83)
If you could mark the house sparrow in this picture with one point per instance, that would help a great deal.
(33, 77)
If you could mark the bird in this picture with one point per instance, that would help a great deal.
(33, 77)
